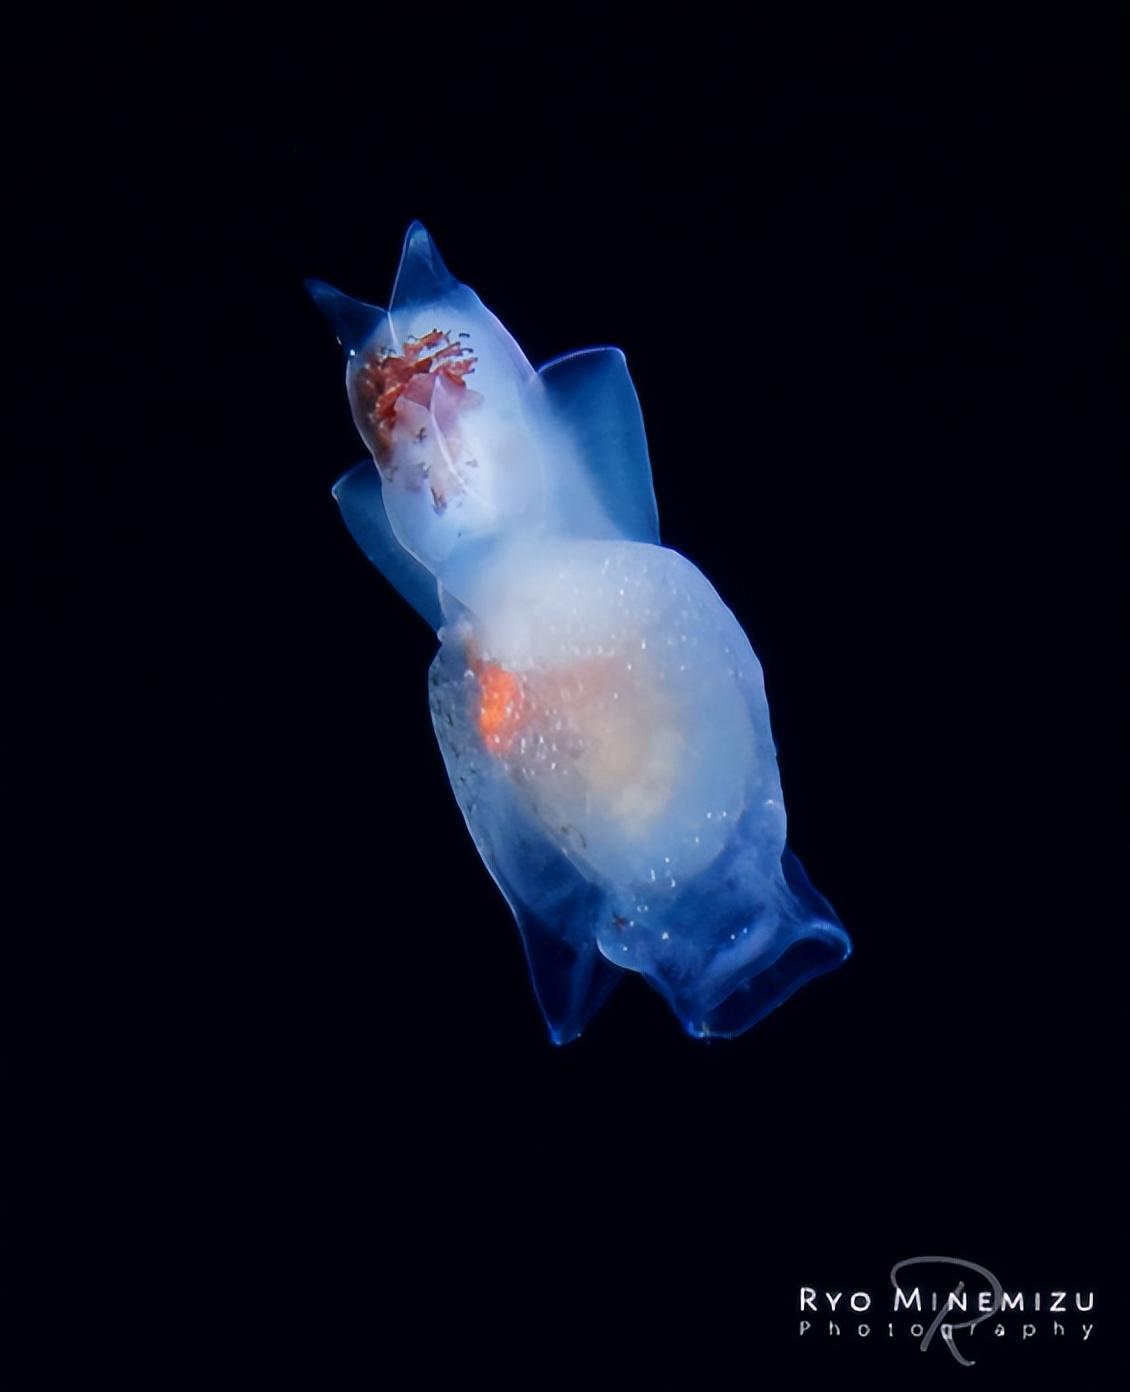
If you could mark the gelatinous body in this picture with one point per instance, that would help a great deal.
(601, 714)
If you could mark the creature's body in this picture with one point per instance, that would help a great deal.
(601, 714)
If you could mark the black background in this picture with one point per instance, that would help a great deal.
(295, 1111)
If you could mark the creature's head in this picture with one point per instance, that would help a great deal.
(443, 398)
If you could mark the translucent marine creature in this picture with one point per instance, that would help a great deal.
(601, 714)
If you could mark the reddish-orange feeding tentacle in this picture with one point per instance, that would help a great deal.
(383, 378)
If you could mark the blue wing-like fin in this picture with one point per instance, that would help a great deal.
(358, 494)
(554, 907)
(571, 979)
(592, 393)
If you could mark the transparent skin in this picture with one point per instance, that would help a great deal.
(601, 714)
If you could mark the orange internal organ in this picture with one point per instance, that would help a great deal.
(502, 705)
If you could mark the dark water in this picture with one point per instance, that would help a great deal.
(294, 1113)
